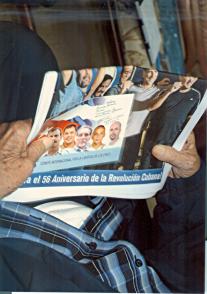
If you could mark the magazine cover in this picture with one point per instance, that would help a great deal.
(87, 133)
(104, 123)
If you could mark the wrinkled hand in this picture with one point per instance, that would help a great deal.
(185, 163)
(17, 159)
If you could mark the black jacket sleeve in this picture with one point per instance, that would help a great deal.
(179, 233)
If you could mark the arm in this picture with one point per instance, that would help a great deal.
(66, 74)
(179, 220)
(160, 98)
(163, 83)
(125, 86)
(183, 192)
(17, 159)
(96, 83)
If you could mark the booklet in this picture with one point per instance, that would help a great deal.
(104, 123)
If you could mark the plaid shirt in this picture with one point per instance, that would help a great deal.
(117, 263)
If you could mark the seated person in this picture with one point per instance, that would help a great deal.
(175, 261)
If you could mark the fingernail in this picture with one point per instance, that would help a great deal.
(158, 150)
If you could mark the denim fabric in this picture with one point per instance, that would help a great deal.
(31, 266)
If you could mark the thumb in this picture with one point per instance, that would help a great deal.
(38, 148)
(169, 154)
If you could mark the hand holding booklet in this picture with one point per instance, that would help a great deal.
(104, 123)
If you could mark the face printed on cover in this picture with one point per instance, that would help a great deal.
(56, 135)
(84, 77)
(126, 73)
(69, 135)
(83, 137)
(187, 81)
(114, 132)
(98, 135)
(103, 87)
(150, 75)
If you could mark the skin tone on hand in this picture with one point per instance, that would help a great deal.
(17, 159)
(185, 163)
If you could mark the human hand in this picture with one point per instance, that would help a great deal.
(126, 85)
(185, 163)
(17, 159)
(175, 87)
(164, 82)
(86, 97)
(193, 80)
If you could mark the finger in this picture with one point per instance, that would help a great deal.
(38, 148)
(195, 79)
(23, 126)
(170, 155)
(191, 139)
(190, 145)
(15, 135)
(19, 128)
(3, 129)
(166, 81)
